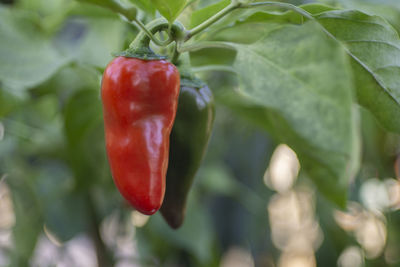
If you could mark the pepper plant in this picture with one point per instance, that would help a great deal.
(319, 76)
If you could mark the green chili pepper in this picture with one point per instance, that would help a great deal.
(188, 143)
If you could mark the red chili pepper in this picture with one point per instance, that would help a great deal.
(139, 104)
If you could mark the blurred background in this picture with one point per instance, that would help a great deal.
(250, 204)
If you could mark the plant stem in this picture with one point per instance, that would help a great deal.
(175, 54)
(236, 5)
(142, 40)
(104, 259)
(212, 20)
(151, 36)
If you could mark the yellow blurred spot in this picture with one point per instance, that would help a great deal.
(351, 220)
(53, 239)
(289, 259)
(292, 221)
(283, 169)
(237, 257)
(351, 257)
(138, 219)
(371, 235)
(7, 218)
(368, 227)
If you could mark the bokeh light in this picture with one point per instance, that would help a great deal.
(290, 259)
(371, 235)
(138, 219)
(292, 217)
(351, 257)
(369, 228)
(237, 257)
(283, 169)
(7, 218)
(294, 228)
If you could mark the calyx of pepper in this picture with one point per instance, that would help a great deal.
(189, 80)
(140, 48)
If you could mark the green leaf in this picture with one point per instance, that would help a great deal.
(360, 3)
(9, 101)
(388, 9)
(212, 56)
(128, 11)
(260, 15)
(69, 80)
(144, 5)
(97, 39)
(28, 215)
(170, 9)
(251, 26)
(374, 47)
(202, 14)
(90, 9)
(316, 8)
(27, 57)
(301, 78)
(77, 122)
(66, 216)
(65, 212)
(85, 136)
(244, 33)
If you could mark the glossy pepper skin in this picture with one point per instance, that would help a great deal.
(189, 140)
(139, 106)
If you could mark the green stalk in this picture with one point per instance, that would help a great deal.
(142, 40)
(151, 36)
(236, 5)
(212, 20)
(140, 46)
(103, 255)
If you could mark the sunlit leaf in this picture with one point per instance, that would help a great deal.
(145, 5)
(374, 47)
(301, 78)
(202, 14)
(170, 9)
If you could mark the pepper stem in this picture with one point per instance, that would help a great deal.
(241, 5)
(140, 47)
